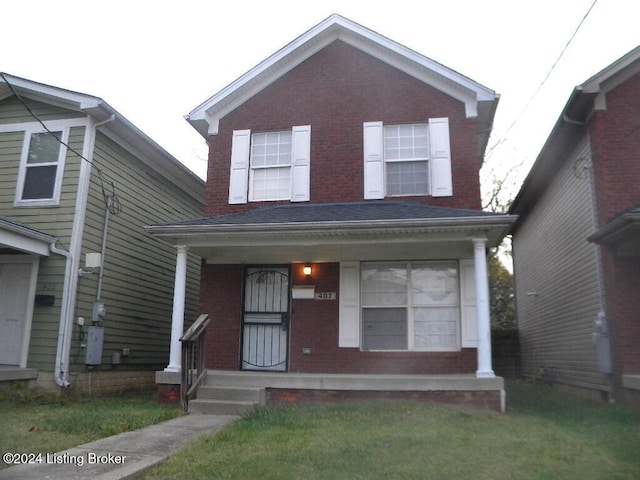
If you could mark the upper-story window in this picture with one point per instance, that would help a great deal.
(269, 166)
(270, 174)
(41, 167)
(407, 159)
(406, 156)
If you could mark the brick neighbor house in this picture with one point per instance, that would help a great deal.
(576, 243)
(344, 244)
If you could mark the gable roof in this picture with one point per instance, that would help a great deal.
(479, 100)
(585, 98)
(116, 127)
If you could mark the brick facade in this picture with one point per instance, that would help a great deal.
(336, 91)
(314, 326)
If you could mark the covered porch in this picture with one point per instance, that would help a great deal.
(329, 238)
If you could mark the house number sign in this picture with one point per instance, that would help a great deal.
(325, 295)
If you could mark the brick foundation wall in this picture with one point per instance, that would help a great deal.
(99, 382)
(489, 400)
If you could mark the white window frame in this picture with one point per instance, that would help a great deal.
(411, 306)
(426, 159)
(439, 161)
(242, 169)
(254, 169)
(59, 164)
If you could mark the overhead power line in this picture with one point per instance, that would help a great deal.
(544, 80)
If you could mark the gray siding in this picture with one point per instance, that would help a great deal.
(56, 220)
(138, 269)
(557, 283)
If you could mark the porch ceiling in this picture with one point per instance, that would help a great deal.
(326, 241)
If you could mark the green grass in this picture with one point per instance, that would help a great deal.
(34, 421)
(544, 435)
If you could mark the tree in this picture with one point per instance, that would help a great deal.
(502, 292)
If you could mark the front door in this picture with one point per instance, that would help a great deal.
(265, 322)
(15, 280)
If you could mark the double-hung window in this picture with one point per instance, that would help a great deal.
(41, 167)
(410, 306)
(406, 156)
(270, 166)
(270, 174)
(407, 159)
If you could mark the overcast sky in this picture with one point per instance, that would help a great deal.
(154, 61)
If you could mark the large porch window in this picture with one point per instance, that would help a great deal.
(410, 306)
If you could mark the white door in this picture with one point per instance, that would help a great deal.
(15, 281)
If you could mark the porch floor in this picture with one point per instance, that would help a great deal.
(355, 381)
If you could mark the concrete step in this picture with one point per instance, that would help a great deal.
(233, 393)
(221, 407)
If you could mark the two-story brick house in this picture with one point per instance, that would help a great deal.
(344, 233)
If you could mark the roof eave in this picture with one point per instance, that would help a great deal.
(205, 118)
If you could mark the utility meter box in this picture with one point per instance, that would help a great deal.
(95, 339)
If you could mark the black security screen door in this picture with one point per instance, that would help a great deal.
(265, 322)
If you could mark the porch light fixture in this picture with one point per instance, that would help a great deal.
(306, 270)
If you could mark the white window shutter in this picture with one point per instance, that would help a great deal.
(468, 306)
(373, 160)
(301, 163)
(349, 309)
(441, 181)
(239, 173)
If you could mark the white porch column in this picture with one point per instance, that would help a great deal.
(177, 319)
(485, 368)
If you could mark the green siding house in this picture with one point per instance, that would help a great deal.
(85, 293)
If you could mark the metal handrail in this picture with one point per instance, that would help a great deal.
(193, 349)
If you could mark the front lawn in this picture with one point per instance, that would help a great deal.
(544, 435)
(34, 421)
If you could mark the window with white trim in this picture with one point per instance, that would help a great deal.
(270, 166)
(270, 171)
(410, 306)
(406, 156)
(407, 159)
(41, 167)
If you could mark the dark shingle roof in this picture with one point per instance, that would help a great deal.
(337, 212)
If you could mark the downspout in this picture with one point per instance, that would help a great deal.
(61, 373)
(63, 352)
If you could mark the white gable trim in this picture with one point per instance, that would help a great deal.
(206, 117)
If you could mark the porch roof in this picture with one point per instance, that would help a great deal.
(336, 232)
(18, 236)
(622, 233)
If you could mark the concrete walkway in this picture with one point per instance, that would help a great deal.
(121, 456)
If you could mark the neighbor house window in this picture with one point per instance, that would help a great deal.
(41, 168)
(406, 156)
(269, 166)
(410, 306)
(270, 174)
